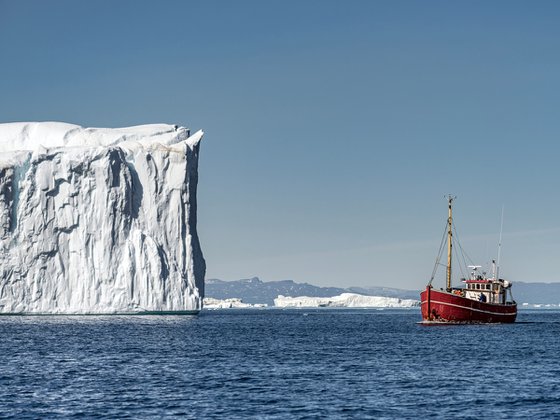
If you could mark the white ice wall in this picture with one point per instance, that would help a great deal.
(345, 300)
(99, 220)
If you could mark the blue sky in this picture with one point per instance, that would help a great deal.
(333, 128)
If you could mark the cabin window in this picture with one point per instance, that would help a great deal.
(478, 286)
(487, 287)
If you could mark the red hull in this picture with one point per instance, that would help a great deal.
(440, 306)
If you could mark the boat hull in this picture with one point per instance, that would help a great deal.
(441, 306)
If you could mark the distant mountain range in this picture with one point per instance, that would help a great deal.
(254, 290)
(536, 293)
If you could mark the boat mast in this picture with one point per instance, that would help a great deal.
(449, 242)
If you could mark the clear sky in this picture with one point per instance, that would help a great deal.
(333, 128)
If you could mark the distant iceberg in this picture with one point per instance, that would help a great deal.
(99, 220)
(230, 303)
(345, 300)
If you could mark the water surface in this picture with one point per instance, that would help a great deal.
(278, 364)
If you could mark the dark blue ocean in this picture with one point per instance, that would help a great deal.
(278, 364)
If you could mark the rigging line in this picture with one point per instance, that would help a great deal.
(462, 255)
(461, 267)
(441, 246)
(464, 265)
(440, 252)
(459, 243)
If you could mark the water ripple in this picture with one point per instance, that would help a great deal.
(277, 364)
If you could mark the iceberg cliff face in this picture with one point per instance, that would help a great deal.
(99, 220)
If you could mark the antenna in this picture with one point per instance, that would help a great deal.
(500, 246)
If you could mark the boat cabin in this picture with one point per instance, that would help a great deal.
(490, 290)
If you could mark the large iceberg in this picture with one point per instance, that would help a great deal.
(99, 220)
(345, 300)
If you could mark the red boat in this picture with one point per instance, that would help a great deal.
(482, 300)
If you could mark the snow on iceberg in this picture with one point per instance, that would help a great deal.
(345, 300)
(230, 303)
(99, 220)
